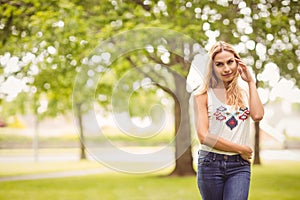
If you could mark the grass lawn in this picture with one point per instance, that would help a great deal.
(272, 180)
(278, 180)
(15, 169)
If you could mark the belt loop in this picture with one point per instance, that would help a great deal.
(238, 158)
(214, 156)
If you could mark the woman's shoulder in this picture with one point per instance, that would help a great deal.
(201, 97)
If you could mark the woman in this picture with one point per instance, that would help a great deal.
(222, 109)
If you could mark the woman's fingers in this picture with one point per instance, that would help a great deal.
(241, 63)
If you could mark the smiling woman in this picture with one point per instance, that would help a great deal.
(225, 66)
(222, 117)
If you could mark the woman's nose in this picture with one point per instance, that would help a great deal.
(226, 67)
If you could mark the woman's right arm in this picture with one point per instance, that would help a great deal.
(213, 140)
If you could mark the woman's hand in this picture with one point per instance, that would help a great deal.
(255, 105)
(246, 153)
(244, 71)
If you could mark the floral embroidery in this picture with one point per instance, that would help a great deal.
(222, 113)
(227, 113)
(243, 117)
(221, 109)
(245, 113)
(218, 113)
(244, 109)
(221, 117)
(232, 122)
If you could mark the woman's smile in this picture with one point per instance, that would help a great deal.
(227, 75)
(225, 66)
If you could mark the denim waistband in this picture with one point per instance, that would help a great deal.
(217, 156)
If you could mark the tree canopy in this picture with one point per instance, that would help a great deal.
(55, 36)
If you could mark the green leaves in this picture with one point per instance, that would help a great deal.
(75, 28)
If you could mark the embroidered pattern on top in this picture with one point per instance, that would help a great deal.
(221, 114)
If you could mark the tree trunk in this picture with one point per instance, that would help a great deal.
(256, 145)
(79, 120)
(183, 150)
(257, 141)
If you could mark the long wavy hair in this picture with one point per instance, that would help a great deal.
(233, 91)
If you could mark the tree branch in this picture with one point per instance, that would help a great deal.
(166, 89)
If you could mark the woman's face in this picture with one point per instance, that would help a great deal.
(225, 66)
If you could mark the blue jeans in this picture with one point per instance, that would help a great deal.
(223, 177)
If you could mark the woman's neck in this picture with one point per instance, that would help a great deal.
(222, 85)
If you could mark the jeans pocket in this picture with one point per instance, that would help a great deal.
(204, 162)
(244, 162)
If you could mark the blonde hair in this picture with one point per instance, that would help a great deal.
(233, 91)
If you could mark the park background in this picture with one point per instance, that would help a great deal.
(49, 133)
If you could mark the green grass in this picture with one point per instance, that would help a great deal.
(276, 180)
(272, 180)
(15, 169)
(103, 187)
(12, 139)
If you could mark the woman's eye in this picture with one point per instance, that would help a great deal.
(230, 62)
(219, 64)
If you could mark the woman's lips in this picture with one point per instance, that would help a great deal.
(226, 75)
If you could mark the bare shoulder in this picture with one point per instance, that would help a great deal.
(201, 99)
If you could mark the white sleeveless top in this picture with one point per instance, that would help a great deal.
(227, 122)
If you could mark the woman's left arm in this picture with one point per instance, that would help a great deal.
(256, 107)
